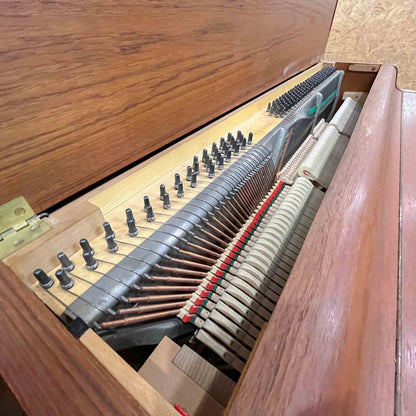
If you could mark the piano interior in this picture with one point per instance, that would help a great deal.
(192, 249)
(251, 260)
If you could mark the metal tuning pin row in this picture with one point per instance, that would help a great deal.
(281, 105)
(67, 266)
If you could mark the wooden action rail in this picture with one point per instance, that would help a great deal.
(330, 343)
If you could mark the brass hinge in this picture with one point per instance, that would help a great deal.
(19, 225)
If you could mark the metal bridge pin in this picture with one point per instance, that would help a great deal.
(44, 280)
(67, 264)
(131, 223)
(64, 280)
(108, 230)
(85, 245)
(90, 261)
(166, 201)
(111, 244)
(162, 191)
(181, 193)
(149, 214)
(177, 180)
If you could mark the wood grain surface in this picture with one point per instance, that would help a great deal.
(408, 256)
(89, 87)
(48, 370)
(329, 348)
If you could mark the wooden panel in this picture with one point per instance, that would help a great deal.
(150, 399)
(47, 369)
(408, 257)
(330, 344)
(89, 87)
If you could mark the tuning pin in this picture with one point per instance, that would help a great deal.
(268, 107)
(244, 144)
(111, 244)
(228, 156)
(188, 173)
(177, 180)
(236, 149)
(166, 201)
(239, 135)
(146, 201)
(149, 214)
(222, 143)
(67, 264)
(64, 280)
(90, 261)
(44, 280)
(216, 151)
(181, 193)
(196, 167)
(195, 164)
(162, 191)
(131, 223)
(250, 139)
(221, 162)
(211, 170)
(108, 230)
(194, 182)
(230, 138)
(86, 248)
(208, 164)
(214, 146)
(204, 156)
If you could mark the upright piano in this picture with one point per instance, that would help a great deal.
(200, 216)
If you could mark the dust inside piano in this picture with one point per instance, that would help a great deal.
(204, 257)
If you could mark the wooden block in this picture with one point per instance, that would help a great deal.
(175, 385)
(218, 385)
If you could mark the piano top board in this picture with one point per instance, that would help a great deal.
(90, 88)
